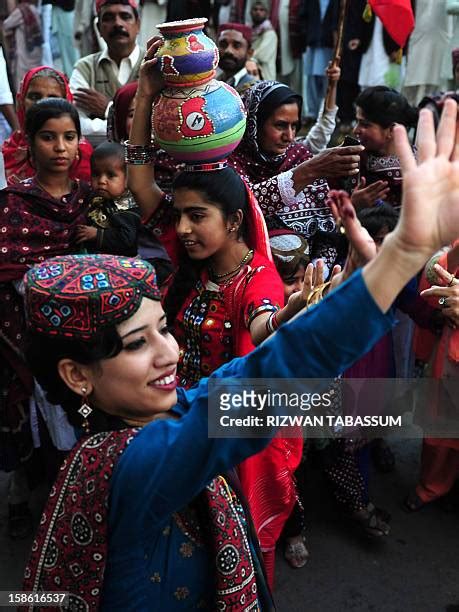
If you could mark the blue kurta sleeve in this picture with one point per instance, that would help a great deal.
(171, 461)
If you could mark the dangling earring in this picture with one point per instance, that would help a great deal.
(85, 410)
(78, 155)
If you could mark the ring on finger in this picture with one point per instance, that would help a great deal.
(339, 226)
(452, 281)
(443, 301)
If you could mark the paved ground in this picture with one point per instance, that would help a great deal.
(416, 569)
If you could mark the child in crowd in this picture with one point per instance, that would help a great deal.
(113, 216)
(291, 256)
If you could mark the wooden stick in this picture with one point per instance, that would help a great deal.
(338, 47)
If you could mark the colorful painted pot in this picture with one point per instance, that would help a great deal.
(188, 57)
(199, 124)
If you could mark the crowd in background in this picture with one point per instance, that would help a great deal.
(82, 175)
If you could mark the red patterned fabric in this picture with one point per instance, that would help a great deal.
(15, 149)
(235, 575)
(308, 211)
(33, 227)
(69, 552)
(213, 324)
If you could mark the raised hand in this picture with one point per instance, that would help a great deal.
(313, 288)
(151, 81)
(429, 216)
(365, 196)
(362, 247)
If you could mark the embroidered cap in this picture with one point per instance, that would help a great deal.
(77, 295)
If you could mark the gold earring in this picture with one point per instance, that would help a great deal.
(85, 410)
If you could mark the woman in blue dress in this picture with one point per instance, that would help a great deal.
(144, 515)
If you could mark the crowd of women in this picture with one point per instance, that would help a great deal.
(138, 278)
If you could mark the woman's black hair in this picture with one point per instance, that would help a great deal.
(103, 345)
(226, 190)
(386, 106)
(50, 108)
(376, 218)
(276, 98)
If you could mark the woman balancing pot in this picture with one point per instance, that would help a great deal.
(196, 119)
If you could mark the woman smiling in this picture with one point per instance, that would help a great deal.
(142, 518)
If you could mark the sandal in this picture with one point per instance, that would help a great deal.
(19, 521)
(295, 553)
(374, 522)
(383, 457)
(413, 503)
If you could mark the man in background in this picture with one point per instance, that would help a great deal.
(97, 77)
(264, 41)
(234, 45)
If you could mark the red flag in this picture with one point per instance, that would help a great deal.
(397, 17)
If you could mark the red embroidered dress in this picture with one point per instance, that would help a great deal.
(213, 325)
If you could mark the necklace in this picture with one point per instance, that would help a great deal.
(225, 275)
(47, 190)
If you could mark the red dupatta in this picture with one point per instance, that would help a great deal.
(15, 149)
(267, 478)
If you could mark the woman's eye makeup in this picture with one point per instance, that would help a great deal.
(134, 345)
